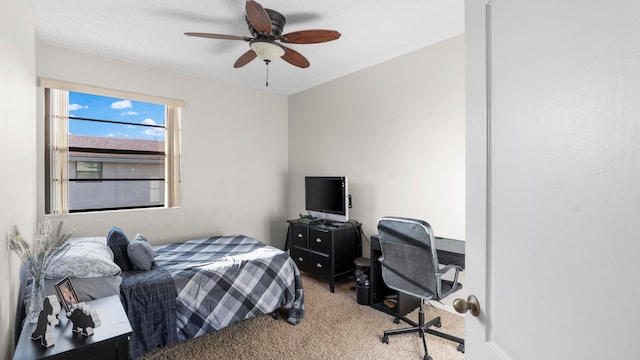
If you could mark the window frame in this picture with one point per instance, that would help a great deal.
(57, 146)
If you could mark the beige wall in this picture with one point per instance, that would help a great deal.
(234, 152)
(17, 138)
(396, 130)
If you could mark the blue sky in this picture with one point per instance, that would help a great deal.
(129, 112)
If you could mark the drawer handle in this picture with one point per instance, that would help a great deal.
(319, 265)
(300, 259)
(318, 240)
(299, 235)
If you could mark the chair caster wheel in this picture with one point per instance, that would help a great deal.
(427, 357)
(438, 324)
(396, 320)
(385, 339)
(461, 348)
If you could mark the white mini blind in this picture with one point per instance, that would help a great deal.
(88, 89)
(173, 168)
(58, 120)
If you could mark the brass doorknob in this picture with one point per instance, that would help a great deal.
(471, 304)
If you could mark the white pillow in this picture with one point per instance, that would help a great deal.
(86, 257)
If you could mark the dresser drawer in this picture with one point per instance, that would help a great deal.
(320, 241)
(301, 258)
(319, 265)
(300, 236)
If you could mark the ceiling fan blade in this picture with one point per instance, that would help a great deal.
(310, 36)
(258, 17)
(244, 59)
(295, 58)
(218, 36)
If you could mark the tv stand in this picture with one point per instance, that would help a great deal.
(324, 251)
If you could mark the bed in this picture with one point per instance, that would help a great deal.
(217, 281)
(203, 285)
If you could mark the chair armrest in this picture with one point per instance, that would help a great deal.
(445, 269)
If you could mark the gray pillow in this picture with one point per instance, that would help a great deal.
(140, 253)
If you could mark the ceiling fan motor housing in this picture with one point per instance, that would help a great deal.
(277, 24)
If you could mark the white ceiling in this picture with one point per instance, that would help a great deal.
(150, 32)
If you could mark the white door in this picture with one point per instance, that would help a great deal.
(553, 179)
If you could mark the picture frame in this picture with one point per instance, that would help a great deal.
(66, 294)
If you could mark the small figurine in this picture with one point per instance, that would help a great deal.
(47, 320)
(84, 320)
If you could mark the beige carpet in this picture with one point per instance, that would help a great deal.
(335, 326)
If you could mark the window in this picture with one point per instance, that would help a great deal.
(109, 150)
(89, 170)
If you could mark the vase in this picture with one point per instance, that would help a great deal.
(36, 301)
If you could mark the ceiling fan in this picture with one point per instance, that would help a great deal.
(265, 26)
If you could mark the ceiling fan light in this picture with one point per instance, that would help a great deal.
(267, 50)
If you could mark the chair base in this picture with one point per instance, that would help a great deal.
(422, 328)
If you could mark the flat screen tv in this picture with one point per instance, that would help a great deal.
(327, 197)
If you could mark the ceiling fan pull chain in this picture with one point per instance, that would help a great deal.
(267, 62)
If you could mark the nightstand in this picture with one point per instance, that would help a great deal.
(109, 341)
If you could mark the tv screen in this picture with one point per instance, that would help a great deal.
(327, 197)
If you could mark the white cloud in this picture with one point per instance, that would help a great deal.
(118, 135)
(122, 104)
(73, 107)
(128, 113)
(154, 132)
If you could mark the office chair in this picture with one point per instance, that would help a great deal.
(410, 265)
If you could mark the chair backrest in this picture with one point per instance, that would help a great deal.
(409, 259)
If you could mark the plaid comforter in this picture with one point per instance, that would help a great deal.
(149, 298)
(223, 280)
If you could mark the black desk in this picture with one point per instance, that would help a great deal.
(450, 251)
(110, 340)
